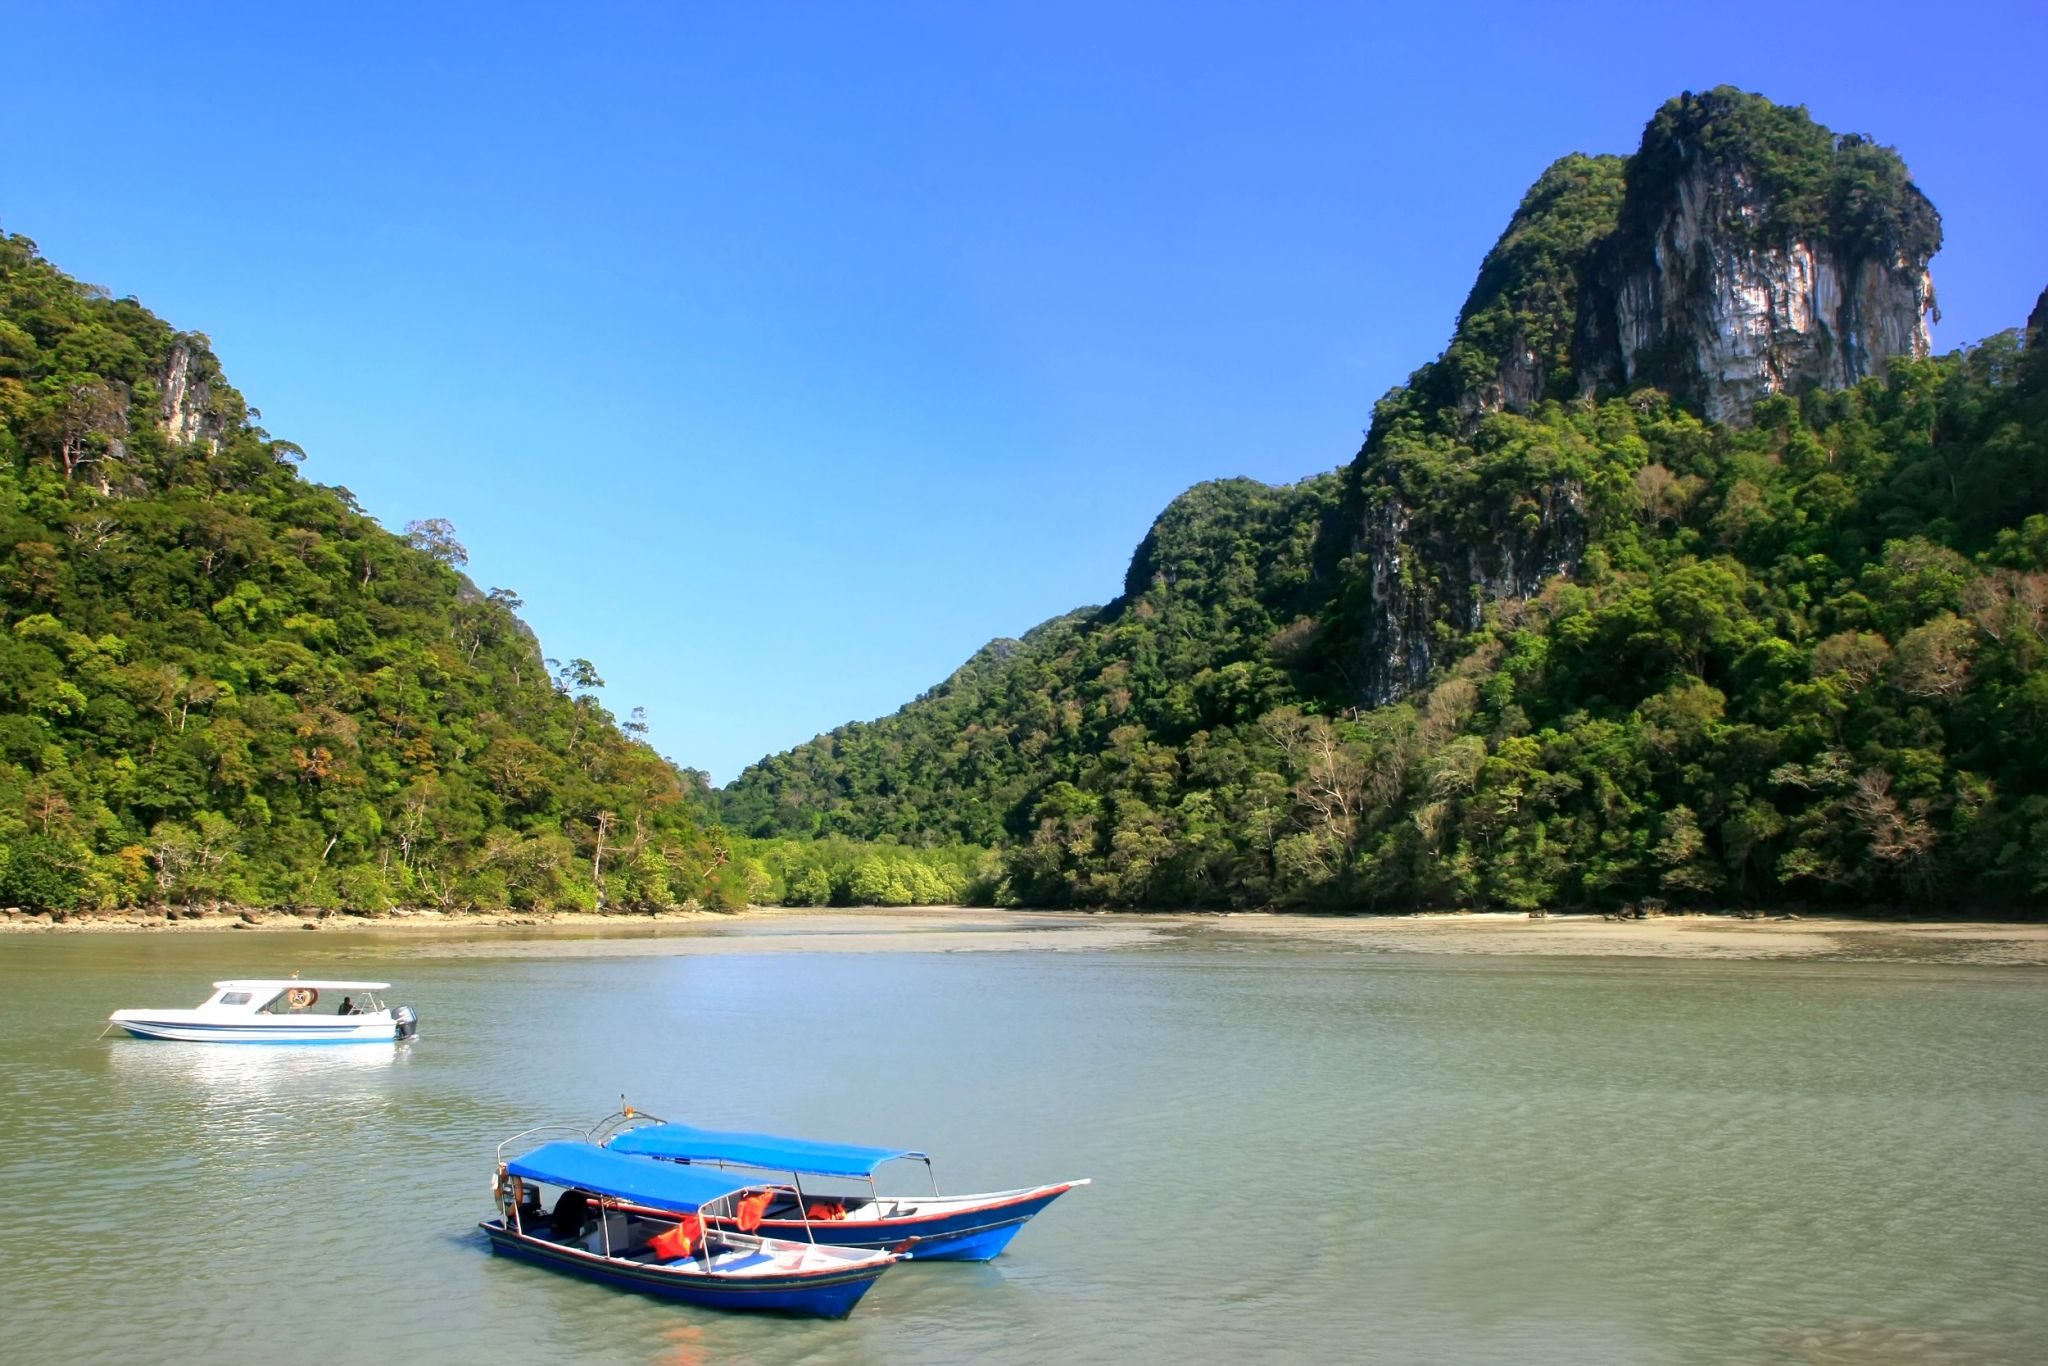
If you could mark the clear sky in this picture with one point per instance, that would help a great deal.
(782, 355)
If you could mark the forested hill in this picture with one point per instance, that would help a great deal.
(221, 681)
(1210, 634)
(1686, 572)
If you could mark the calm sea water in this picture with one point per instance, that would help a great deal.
(1298, 1153)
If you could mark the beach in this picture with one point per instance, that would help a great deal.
(767, 929)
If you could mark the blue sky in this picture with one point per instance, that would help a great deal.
(782, 355)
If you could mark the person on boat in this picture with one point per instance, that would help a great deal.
(348, 1006)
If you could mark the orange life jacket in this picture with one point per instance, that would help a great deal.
(751, 1208)
(825, 1209)
(678, 1241)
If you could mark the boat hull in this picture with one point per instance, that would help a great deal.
(975, 1233)
(831, 1294)
(339, 1031)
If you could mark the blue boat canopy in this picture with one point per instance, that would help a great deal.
(664, 1185)
(770, 1152)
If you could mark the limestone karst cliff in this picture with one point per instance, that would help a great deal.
(1756, 254)
(187, 408)
(1743, 251)
(1431, 572)
(1513, 344)
(1670, 578)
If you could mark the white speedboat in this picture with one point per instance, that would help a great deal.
(280, 1010)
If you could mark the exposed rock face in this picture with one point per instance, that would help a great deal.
(1743, 251)
(1711, 289)
(1425, 578)
(185, 412)
(1513, 346)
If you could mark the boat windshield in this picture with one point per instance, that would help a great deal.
(298, 998)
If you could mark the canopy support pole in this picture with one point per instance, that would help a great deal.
(801, 1212)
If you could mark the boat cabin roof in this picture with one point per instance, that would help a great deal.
(684, 1143)
(664, 1185)
(282, 983)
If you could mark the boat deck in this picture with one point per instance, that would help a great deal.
(630, 1233)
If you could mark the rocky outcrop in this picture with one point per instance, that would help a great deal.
(1513, 344)
(1742, 251)
(185, 388)
(1743, 268)
(1425, 577)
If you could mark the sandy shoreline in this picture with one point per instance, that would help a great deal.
(969, 929)
(1680, 936)
(156, 922)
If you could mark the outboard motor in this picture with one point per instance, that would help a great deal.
(408, 1023)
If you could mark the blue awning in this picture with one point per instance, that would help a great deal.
(770, 1152)
(664, 1185)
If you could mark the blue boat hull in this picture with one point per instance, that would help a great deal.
(970, 1235)
(828, 1295)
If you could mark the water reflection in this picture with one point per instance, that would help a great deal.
(249, 1097)
(248, 1071)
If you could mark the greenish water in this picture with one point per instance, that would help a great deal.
(1299, 1153)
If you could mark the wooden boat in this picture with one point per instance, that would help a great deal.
(665, 1229)
(971, 1228)
(279, 1010)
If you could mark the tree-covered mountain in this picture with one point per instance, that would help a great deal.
(1685, 572)
(1200, 639)
(221, 681)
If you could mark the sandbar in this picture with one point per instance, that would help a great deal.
(961, 929)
